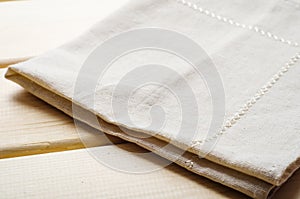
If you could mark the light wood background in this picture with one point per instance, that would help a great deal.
(29, 126)
(41, 156)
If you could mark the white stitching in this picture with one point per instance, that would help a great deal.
(237, 24)
(293, 3)
(189, 164)
(259, 94)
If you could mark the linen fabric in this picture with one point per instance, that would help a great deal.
(248, 41)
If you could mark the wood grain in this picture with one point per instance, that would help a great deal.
(6, 62)
(30, 28)
(30, 126)
(76, 174)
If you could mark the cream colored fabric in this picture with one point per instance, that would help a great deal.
(260, 149)
(246, 184)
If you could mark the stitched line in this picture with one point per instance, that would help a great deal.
(237, 24)
(293, 3)
(247, 106)
(259, 94)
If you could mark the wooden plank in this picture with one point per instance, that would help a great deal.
(30, 126)
(6, 62)
(76, 174)
(33, 28)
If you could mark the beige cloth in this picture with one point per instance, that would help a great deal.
(259, 150)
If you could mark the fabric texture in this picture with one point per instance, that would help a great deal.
(254, 47)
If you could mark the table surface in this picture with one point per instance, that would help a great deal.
(41, 153)
(33, 28)
(30, 126)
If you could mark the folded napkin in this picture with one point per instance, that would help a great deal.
(253, 45)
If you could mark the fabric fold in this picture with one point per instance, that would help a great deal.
(256, 149)
(246, 184)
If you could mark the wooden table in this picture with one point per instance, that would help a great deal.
(30, 126)
(42, 156)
